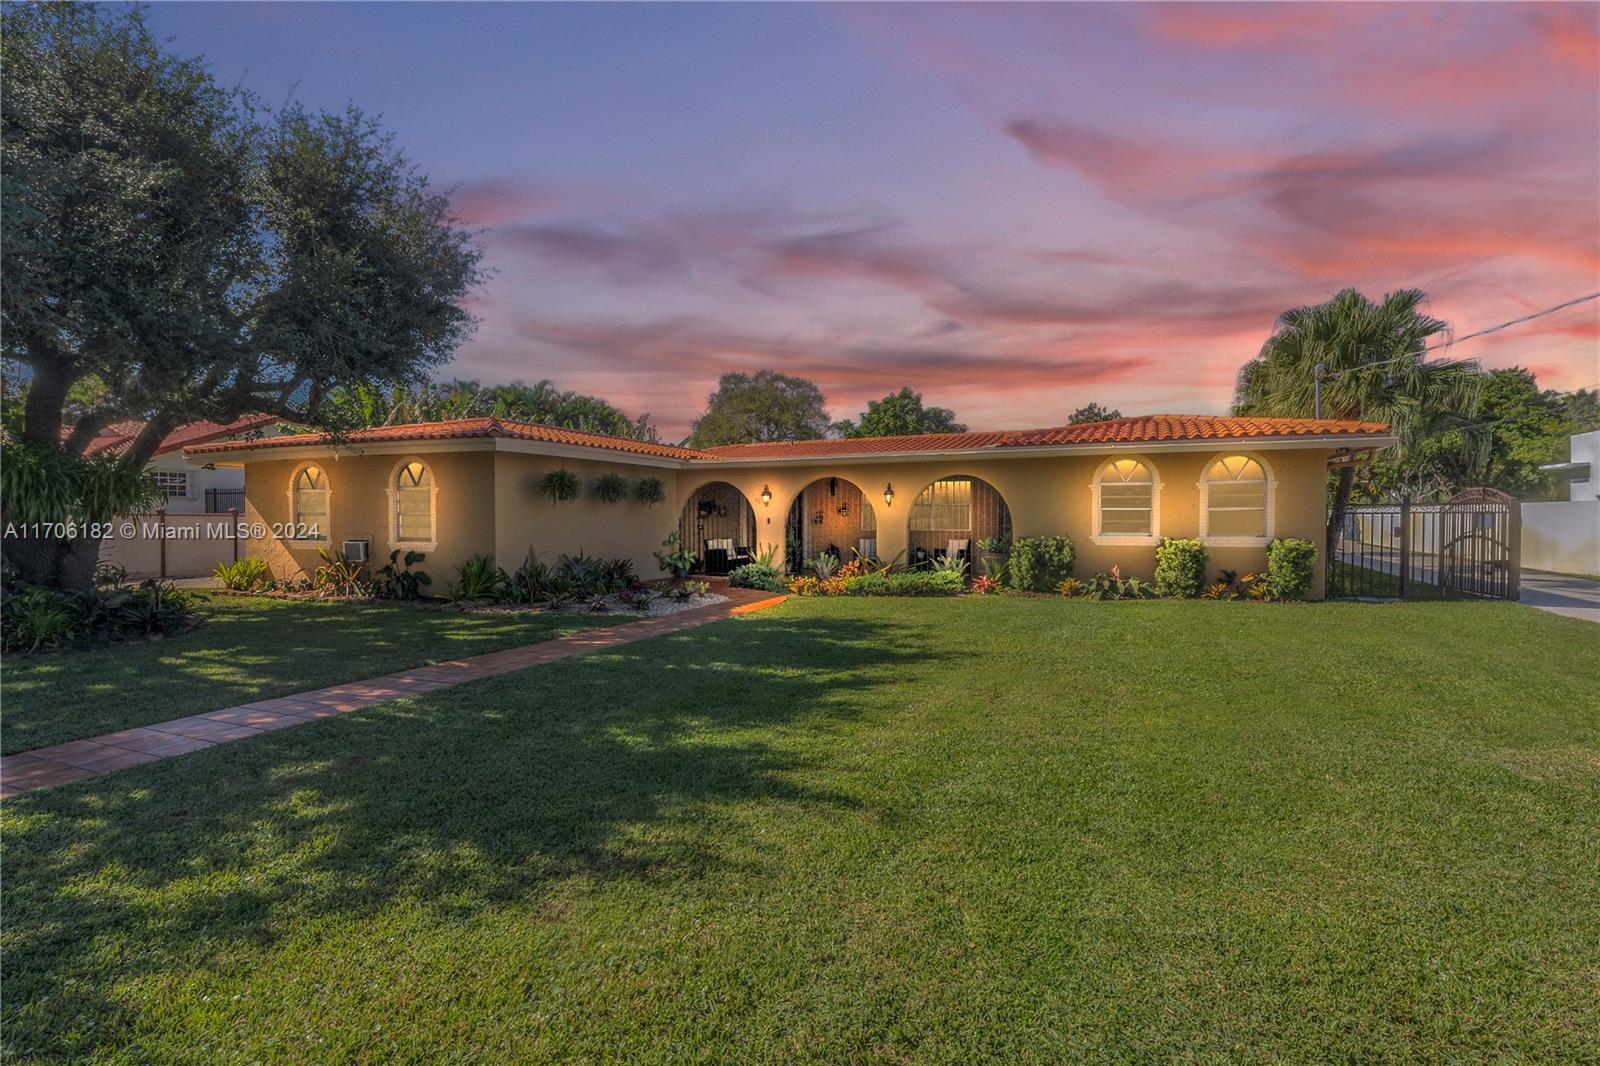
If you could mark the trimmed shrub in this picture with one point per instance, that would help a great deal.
(756, 576)
(1181, 567)
(906, 583)
(1291, 562)
(1039, 564)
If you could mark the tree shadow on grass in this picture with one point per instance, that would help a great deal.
(613, 765)
(247, 650)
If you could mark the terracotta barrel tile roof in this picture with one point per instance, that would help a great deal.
(1154, 428)
(1146, 429)
(467, 428)
(118, 435)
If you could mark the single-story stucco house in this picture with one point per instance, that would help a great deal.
(455, 489)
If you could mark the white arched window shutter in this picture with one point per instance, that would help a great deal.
(413, 506)
(310, 503)
(1125, 502)
(1238, 501)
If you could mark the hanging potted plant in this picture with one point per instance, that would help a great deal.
(649, 491)
(560, 486)
(611, 488)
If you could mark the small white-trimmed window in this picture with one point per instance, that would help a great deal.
(1236, 501)
(1125, 497)
(413, 503)
(311, 503)
(174, 484)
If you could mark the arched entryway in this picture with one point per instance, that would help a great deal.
(719, 525)
(830, 515)
(953, 515)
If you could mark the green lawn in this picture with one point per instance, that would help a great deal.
(1031, 830)
(248, 648)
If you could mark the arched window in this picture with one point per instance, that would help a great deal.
(943, 505)
(1236, 501)
(310, 499)
(1126, 500)
(413, 503)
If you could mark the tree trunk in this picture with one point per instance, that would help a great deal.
(54, 562)
(1336, 513)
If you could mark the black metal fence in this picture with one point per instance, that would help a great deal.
(221, 501)
(1469, 546)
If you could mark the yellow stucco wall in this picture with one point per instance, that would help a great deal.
(1051, 496)
(359, 507)
(526, 521)
(488, 501)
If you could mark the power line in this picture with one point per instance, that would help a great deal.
(1513, 322)
(1319, 374)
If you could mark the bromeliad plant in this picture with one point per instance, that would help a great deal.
(1114, 586)
(244, 575)
(559, 486)
(478, 579)
(1236, 586)
(338, 576)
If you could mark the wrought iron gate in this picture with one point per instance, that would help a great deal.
(1470, 546)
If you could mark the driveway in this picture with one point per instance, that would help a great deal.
(1574, 597)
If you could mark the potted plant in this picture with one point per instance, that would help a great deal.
(560, 486)
(993, 552)
(611, 488)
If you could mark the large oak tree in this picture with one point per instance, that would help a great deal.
(173, 253)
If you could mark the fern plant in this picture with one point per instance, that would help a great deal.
(611, 488)
(560, 486)
(649, 491)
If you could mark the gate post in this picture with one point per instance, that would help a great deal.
(233, 527)
(1405, 546)
(161, 538)
(1514, 549)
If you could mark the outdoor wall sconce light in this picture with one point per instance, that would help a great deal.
(766, 495)
(888, 495)
(844, 510)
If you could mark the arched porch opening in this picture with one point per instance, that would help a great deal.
(830, 515)
(719, 525)
(951, 516)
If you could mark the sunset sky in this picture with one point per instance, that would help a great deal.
(1013, 209)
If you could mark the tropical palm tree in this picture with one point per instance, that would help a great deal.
(1364, 360)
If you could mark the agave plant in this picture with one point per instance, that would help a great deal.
(824, 565)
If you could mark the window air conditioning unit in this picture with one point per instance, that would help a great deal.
(354, 551)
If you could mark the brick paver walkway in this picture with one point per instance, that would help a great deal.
(79, 759)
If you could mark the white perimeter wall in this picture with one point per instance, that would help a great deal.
(1564, 537)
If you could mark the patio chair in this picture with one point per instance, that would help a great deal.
(959, 549)
(717, 554)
